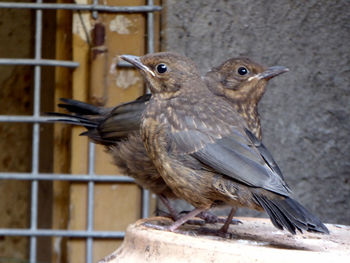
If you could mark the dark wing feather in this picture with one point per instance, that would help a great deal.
(288, 213)
(233, 154)
(264, 153)
(72, 119)
(104, 125)
(144, 98)
(137, 105)
(123, 119)
(81, 108)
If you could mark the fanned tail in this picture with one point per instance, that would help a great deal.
(288, 213)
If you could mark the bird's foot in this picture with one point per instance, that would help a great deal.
(210, 218)
(196, 222)
(162, 213)
(214, 232)
(174, 226)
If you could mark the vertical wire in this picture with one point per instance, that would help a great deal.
(95, 13)
(36, 136)
(150, 33)
(150, 49)
(90, 206)
(90, 212)
(150, 29)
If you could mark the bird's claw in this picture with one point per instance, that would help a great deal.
(210, 218)
(214, 232)
(233, 221)
(196, 222)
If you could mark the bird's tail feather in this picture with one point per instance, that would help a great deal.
(288, 213)
(80, 113)
(72, 119)
(104, 125)
(79, 108)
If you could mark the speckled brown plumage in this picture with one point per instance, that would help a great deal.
(204, 150)
(117, 128)
(142, 168)
(223, 81)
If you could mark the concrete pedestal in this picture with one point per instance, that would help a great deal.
(256, 240)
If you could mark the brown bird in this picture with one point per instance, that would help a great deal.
(204, 151)
(118, 127)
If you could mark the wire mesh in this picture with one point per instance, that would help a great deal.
(34, 176)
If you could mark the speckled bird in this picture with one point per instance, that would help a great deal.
(204, 151)
(118, 128)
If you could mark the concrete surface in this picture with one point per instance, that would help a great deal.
(305, 112)
(256, 240)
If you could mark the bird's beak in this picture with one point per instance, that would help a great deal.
(136, 61)
(272, 72)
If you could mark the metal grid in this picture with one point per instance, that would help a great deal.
(34, 176)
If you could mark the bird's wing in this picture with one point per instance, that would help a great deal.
(137, 105)
(118, 126)
(234, 154)
(264, 153)
(123, 119)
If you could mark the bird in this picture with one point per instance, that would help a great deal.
(204, 151)
(118, 128)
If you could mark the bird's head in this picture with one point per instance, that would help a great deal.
(243, 79)
(165, 72)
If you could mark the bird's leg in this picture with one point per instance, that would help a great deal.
(210, 218)
(174, 226)
(185, 218)
(222, 232)
(173, 214)
(206, 218)
(228, 221)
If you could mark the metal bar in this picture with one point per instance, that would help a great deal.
(33, 220)
(101, 8)
(66, 177)
(23, 118)
(150, 49)
(145, 203)
(150, 33)
(62, 233)
(90, 204)
(36, 138)
(150, 29)
(38, 62)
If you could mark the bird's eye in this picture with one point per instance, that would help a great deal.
(242, 71)
(161, 68)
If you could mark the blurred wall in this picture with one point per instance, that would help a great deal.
(305, 112)
(16, 84)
